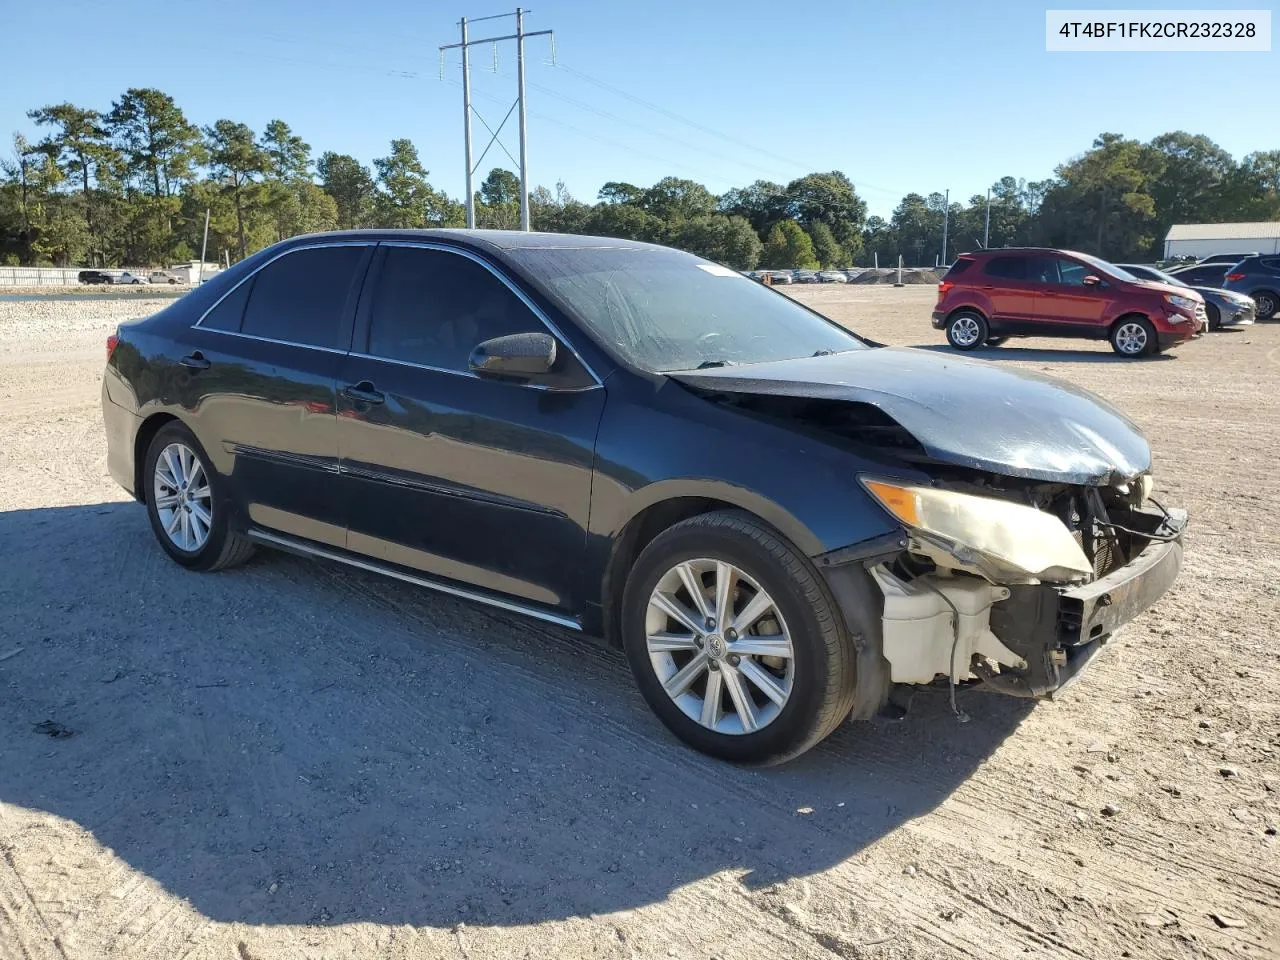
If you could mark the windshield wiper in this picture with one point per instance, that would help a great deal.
(713, 363)
(824, 352)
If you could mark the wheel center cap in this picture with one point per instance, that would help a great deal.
(716, 647)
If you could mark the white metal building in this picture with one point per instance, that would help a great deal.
(1206, 239)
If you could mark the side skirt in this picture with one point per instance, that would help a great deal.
(308, 549)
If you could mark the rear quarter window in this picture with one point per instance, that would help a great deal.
(1271, 263)
(1007, 268)
(957, 268)
(229, 312)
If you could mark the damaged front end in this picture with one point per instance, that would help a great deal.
(1022, 613)
(1032, 540)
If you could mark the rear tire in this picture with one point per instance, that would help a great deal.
(967, 330)
(188, 509)
(1134, 337)
(796, 698)
(1267, 302)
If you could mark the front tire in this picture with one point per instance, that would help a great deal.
(1214, 315)
(1267, 303)
(1134, 337)
(735, 640)
(189, 512)
(967, 330)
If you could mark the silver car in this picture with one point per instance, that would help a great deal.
(1222, 307)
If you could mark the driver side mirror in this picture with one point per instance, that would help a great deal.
(1091, 281)
(516, 356)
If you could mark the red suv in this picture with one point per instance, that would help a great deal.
(991, 295)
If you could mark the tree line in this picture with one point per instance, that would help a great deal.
(130, 185)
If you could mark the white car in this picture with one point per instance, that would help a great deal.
(132, 278)
(164, 276)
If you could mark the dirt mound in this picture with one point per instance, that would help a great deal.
(887, 275)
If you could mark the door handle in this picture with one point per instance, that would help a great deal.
(364, 392)
(195, 361)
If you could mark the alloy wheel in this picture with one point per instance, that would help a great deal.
(1131, 339)
(183, 499)
(719, 646)
(965, 331)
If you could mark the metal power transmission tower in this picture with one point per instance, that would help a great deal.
(465, 46)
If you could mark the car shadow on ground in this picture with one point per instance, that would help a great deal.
(1008, 351)
(293, 742)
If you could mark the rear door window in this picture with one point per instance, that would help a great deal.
(1007, 268)
(303, 297)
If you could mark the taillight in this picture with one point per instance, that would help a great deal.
(1235, 276)
(112, 342)
(944, 286)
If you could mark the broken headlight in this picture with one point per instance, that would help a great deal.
(1005, 541)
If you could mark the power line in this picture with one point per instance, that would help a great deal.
(671, 114)
(330, 66)
(626, 148)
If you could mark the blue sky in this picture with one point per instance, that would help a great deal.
(903, 96)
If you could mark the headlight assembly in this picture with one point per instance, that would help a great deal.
(1186, 303)
(1008, 542)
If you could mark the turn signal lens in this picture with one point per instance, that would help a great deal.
(900, 501)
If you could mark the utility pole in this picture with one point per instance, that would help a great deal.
(524, 146)
(466, 125)
(204, 245)
(946, 215)
(519, 37)
(986, 228)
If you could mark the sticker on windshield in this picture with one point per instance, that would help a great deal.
(716, 270)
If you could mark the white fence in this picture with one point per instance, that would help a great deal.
(70, 276)
(39, 276)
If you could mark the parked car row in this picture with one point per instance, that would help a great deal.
(801, 276)
(127, 278)
(1223, 308)
(991, 295)
(1252, 275)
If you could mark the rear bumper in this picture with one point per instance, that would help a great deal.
(121, 427)
(939, 320)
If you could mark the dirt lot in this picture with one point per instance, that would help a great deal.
(290, 759)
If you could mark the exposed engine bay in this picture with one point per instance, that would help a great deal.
(946, 618)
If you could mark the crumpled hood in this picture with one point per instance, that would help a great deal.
(977, 414)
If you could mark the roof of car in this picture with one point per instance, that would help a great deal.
(989, 251)
(488, 239)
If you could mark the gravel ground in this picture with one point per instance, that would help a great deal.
(290, 759)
